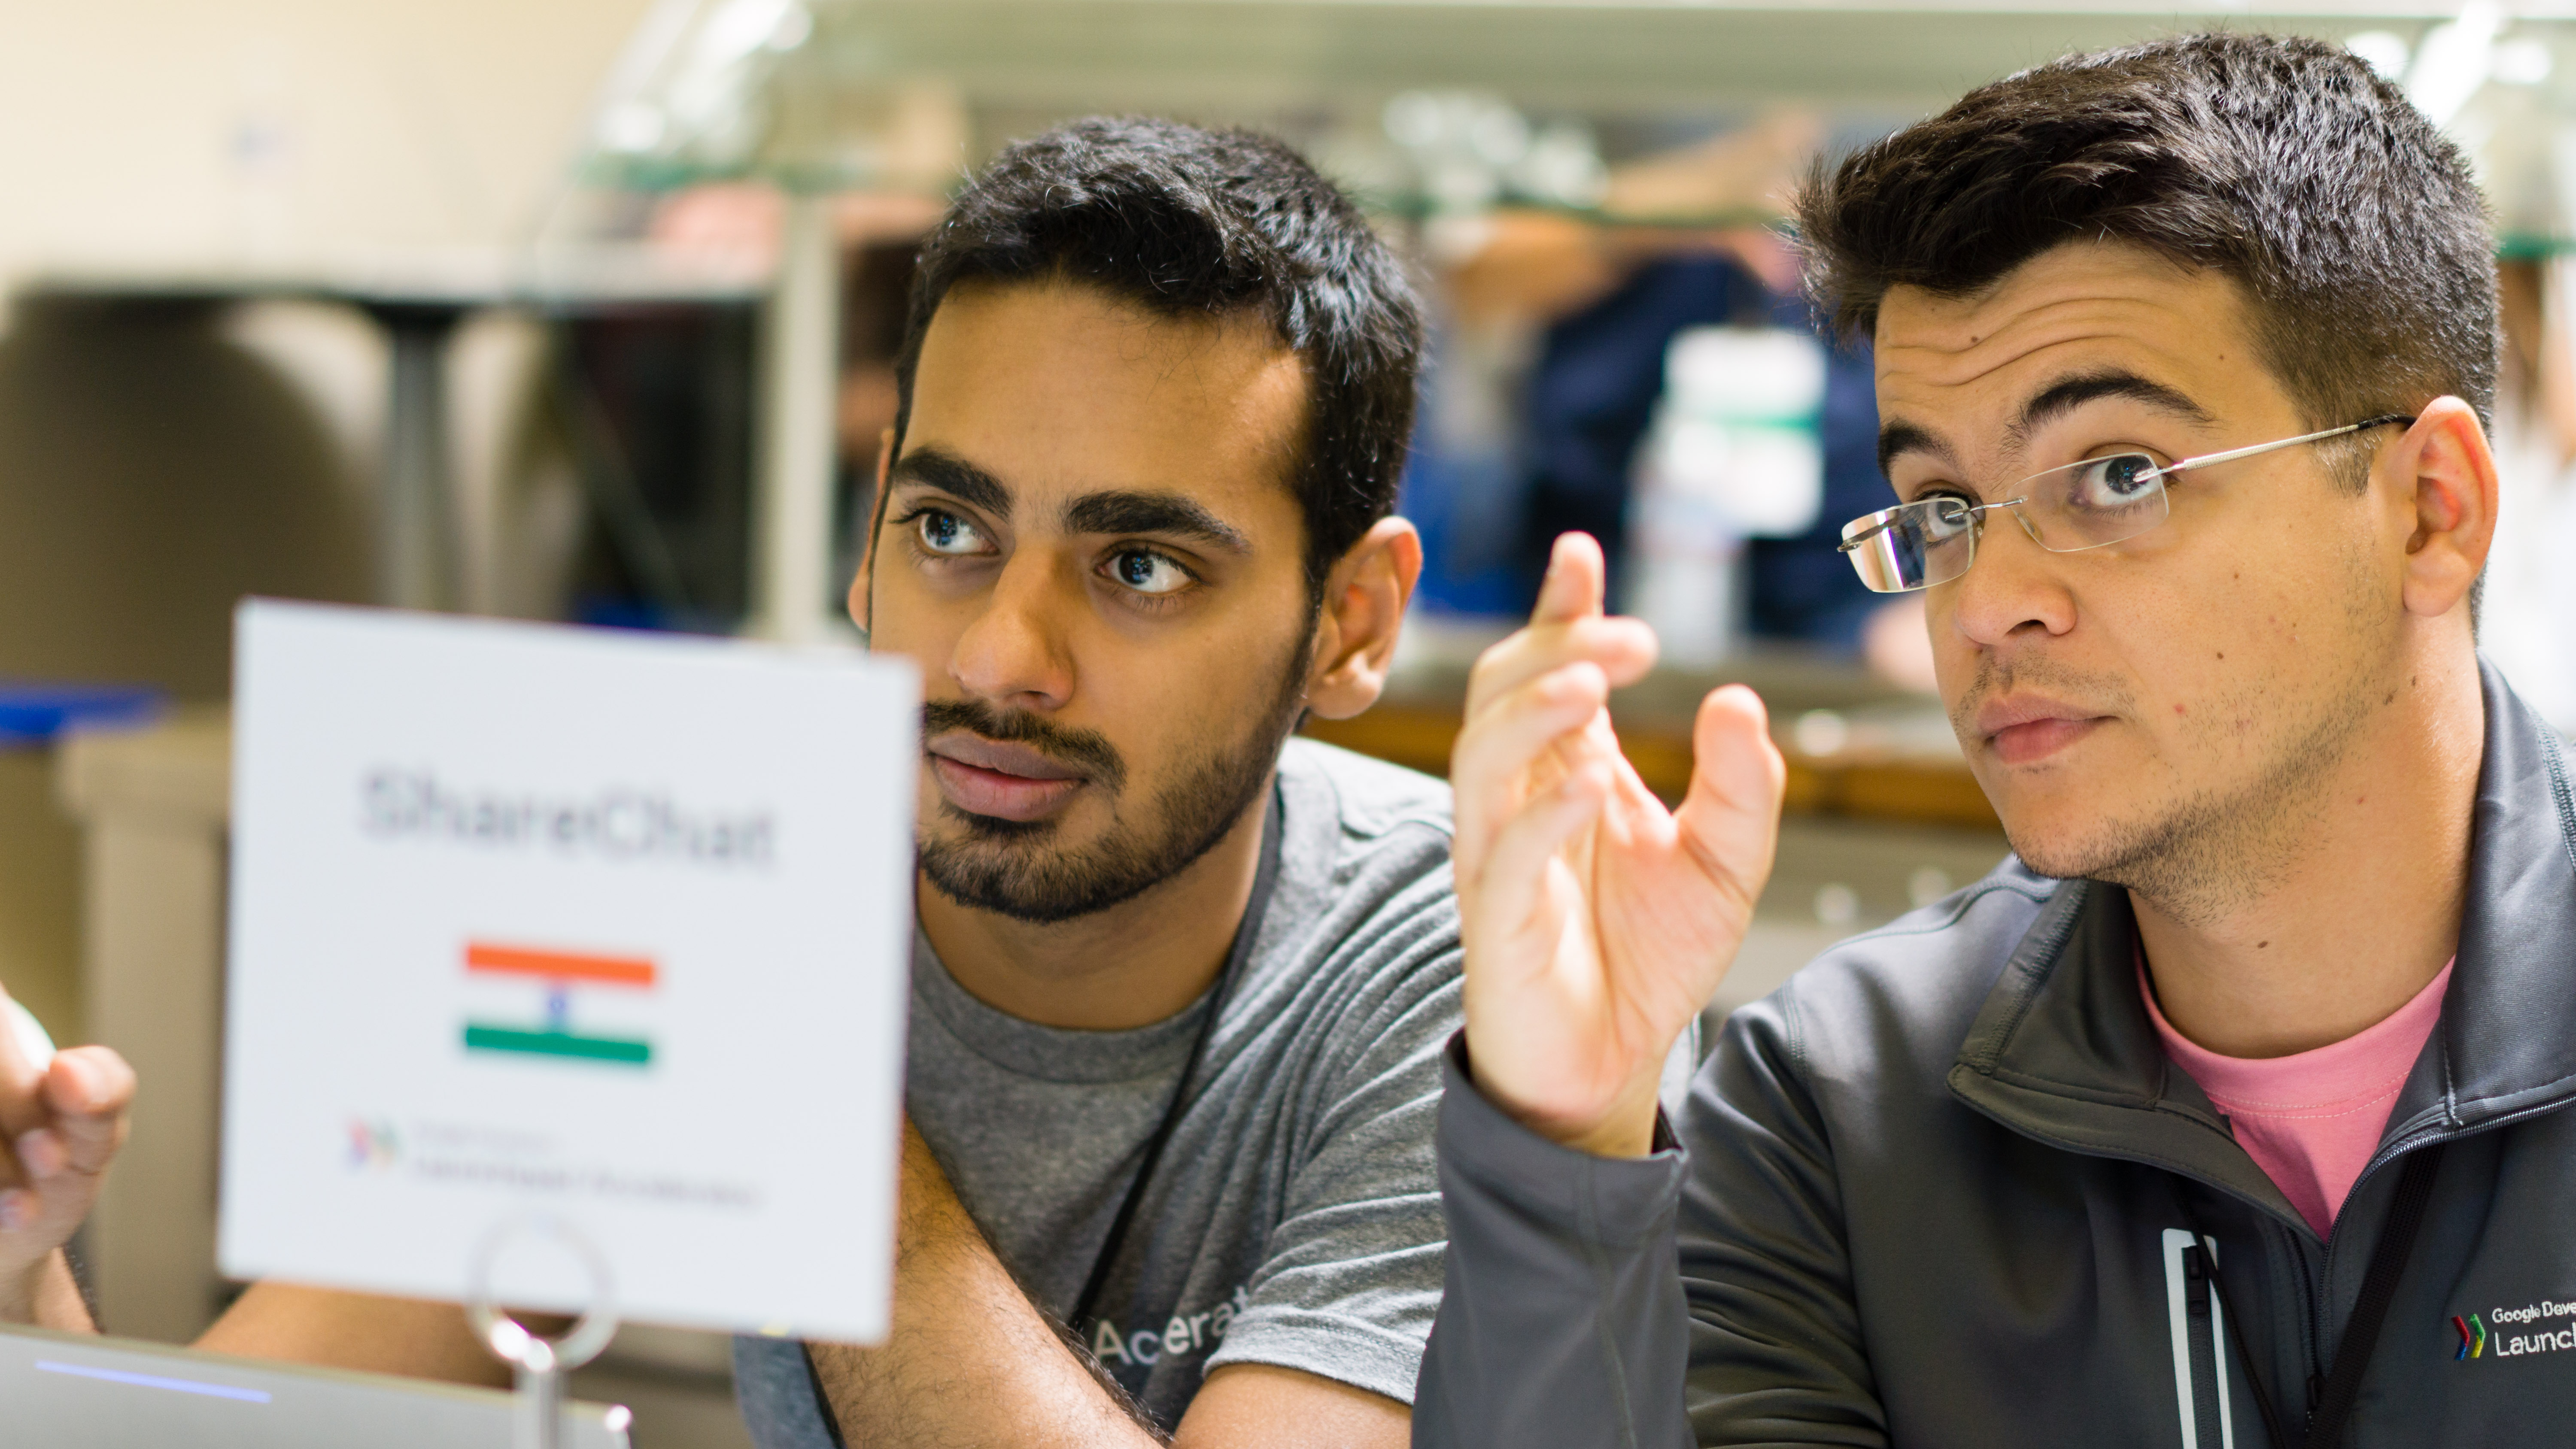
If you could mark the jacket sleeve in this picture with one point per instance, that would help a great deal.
(1699, 1296)
(1776, 1351)
(1561, 1322)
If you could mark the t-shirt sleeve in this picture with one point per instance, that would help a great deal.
(1350, 1278)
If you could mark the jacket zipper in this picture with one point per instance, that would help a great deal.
(2199, 1329)
(2320, 1284)
(2205, 1367)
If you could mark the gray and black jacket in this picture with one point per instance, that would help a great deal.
(1938, 1190)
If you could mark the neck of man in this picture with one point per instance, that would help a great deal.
(2354, 905)
(1136, 963)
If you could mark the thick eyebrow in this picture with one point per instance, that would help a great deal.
(954, 476)
(1169, 514)
(1114, 511)
(1898, 438)
(2051, 403)
(2069, 393)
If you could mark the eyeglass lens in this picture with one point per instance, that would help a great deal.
(2065, 510)
(1916, 545)
(2098, 501)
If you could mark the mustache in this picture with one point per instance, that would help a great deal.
(1995, 677)
(1086, 750)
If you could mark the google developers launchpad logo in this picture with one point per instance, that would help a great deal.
(2473, 1336)
(559, 972)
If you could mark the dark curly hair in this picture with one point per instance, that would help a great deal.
(2350, 221)
(1191, 222)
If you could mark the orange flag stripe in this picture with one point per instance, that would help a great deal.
(559, 965)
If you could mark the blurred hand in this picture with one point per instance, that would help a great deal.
(1597, 923)
(60, 1124)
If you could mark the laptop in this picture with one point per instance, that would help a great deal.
(112, 1393)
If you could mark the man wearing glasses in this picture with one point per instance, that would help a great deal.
(2234, 1110)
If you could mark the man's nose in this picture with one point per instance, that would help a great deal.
(2013, 588)
(1015, 652)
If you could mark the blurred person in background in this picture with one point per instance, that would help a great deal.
(1180, 981)
(2241, 1106)
(1606, 298)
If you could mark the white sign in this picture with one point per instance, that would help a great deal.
(611, 928)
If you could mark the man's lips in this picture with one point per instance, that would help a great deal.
(1002, 757)
(2027, 728)
(990, 777)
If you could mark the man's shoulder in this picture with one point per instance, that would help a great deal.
(1365, 905)
(1367, 848)
(1369, 797)
(1897, 1002)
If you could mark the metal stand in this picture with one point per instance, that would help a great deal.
(537, 1362)
(416, 526)
(800, 383)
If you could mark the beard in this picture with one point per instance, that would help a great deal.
(1016, 868)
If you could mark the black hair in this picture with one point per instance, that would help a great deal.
(1191, 222)
(2353, 225)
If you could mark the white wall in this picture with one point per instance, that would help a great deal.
(152, 468)
(196, 131)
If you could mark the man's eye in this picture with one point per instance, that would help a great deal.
(2116, 482)
(946, 533)
(1148, 572)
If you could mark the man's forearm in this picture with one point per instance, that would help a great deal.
(412, 1337)
(970, 1360)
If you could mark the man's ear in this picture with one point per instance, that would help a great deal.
(860, 612)
(2446, 476)
(1363, 611)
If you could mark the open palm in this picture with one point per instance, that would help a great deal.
(1597, 922)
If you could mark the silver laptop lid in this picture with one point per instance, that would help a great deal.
(63, 1388)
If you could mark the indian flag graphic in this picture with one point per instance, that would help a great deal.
(557, 973)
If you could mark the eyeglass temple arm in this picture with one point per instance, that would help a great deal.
(2232, 454)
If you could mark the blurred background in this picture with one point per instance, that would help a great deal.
(584, 310)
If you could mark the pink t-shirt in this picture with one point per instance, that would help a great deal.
(2311, 1121)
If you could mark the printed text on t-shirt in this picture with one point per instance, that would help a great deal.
(1181, 1334)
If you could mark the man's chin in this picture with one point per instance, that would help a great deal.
(2068, 839)
(1029, 872)
(1022, 879)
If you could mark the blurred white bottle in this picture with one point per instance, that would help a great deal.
(1734, 453)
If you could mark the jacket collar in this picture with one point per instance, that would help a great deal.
(2062, 1050)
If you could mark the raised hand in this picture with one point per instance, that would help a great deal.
(1597, 923)
(60, 1123)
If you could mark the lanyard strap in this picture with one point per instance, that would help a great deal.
(2330, 1402)
(1268, 872)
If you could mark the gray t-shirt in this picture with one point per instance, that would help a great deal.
(1295, 1217)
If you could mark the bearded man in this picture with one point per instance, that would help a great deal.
(1181, 982)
